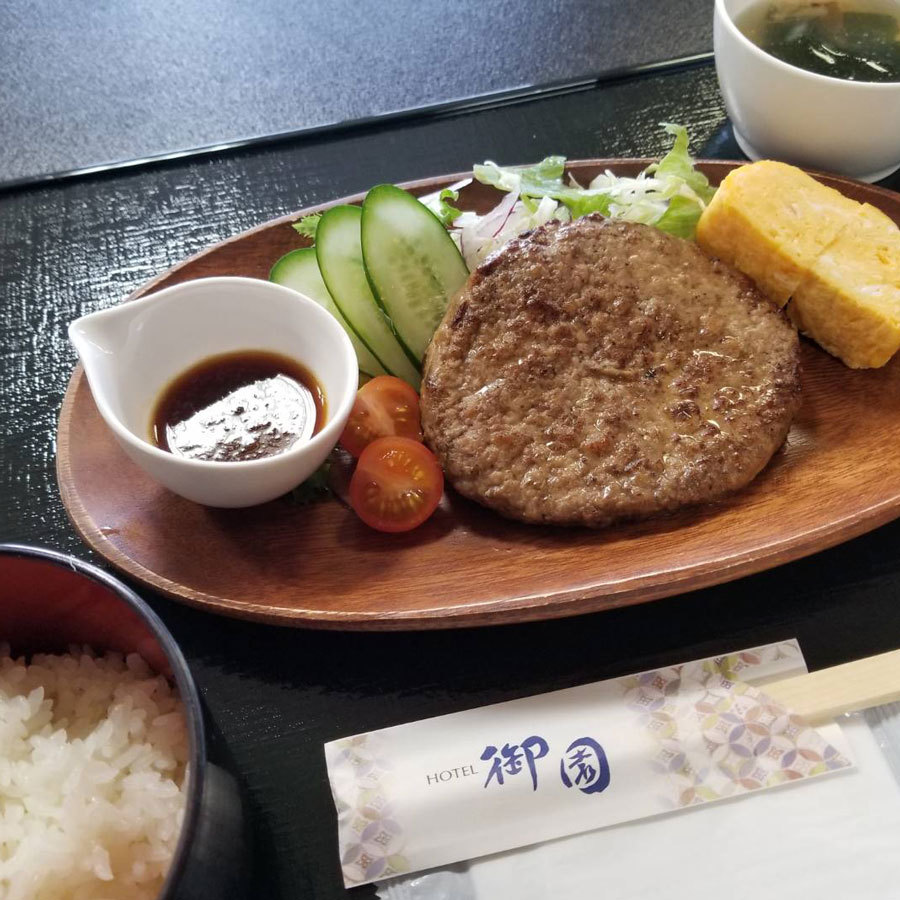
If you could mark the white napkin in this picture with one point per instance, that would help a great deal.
(835, 839)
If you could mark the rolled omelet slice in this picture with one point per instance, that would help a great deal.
(849, 301)
(771, 221)
(835, 260)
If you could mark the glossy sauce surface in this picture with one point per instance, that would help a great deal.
(238, 406)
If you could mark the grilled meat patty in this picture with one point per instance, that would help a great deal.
(603, 370)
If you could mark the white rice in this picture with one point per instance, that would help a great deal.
(93, 755)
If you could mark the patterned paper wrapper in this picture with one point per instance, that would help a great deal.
(490, 779)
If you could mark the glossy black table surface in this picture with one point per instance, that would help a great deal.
(276, 695)
(84, 83)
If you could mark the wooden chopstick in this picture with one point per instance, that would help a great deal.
(841, 689)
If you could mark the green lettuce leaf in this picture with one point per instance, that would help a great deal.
(308, 225)
(315, 488)
(680, 218)
(678, 163)
(589, 203)
(445, 211)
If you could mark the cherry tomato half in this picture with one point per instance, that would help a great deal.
(383, 407)
(397, 484)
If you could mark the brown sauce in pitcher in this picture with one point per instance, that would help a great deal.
(238, 406)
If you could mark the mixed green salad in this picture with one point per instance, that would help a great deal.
(670, 195)
(387, 270)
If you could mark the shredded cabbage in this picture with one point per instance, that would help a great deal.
(670, 195)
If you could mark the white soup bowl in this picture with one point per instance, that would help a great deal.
(780, 111)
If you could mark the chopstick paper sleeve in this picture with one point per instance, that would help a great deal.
(485, 780)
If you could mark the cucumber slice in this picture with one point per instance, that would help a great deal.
(340, 259)
(412, 263)
(299, 270)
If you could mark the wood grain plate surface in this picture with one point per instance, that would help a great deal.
(837, 476)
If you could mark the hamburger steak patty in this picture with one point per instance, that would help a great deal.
(602, 370)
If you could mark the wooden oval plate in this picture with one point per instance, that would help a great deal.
(837, 476)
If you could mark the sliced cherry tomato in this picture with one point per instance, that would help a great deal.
(383, 407)
(397, 484)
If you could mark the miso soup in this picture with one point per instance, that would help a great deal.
(858, 40)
